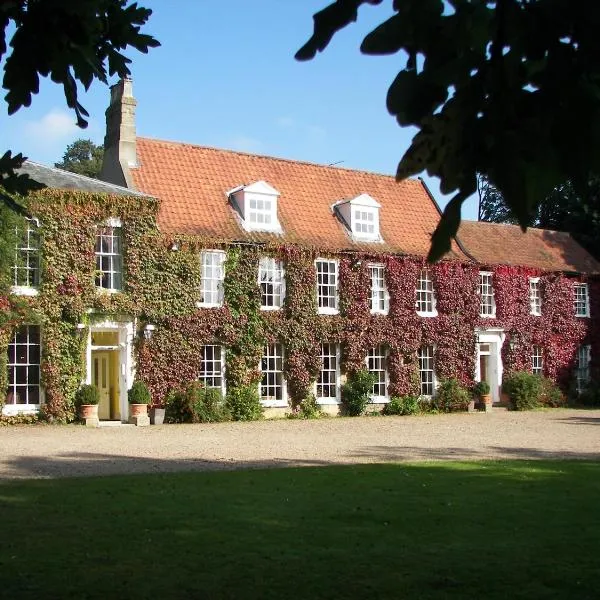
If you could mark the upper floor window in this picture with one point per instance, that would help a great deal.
(272, 385)
(426, 370)
(213, 275)
(327, 285)
(377, 365)
(487, 305)
(212, 367)
(329, 374)
(582, 300)
(272, 283)
(257, 205)
(582, 370)
(535, 296)
(24, 367)
(379, 293)
(109, 258)
(361, 216)
(425, 295)
(26, 268)
(537, 360)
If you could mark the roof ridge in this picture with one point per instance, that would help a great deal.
(276, 158)
(473, 221)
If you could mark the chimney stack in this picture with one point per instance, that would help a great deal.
(120, 138)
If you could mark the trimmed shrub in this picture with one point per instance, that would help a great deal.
(403, 405)
(356, 392)
(307, 409)
(523, 389)
(196, 404)
(451, 396)
(87, 394)
(139, 393)
(244, 404)
(551, 395)
(481, 388)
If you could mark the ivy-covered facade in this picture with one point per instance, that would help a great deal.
(246, 286)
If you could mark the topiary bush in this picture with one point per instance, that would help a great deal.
(402, 405)
(523, 389)
(451, 396)
(356, 392)
(481, 388)
(244, 403)
(87, 394)
(139, 393)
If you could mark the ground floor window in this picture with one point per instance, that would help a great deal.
(327, 382)
(582, 371)
(377, 365)
(426, 370)
(212, 368)
(271, 367)
(24, 366)
(537, 361)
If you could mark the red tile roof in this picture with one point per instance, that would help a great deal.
(191, 183)
(493, 243)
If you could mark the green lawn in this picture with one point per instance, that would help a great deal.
(482, 530)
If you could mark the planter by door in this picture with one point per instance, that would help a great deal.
(138, 410)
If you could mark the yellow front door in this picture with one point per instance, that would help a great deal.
(104, 377)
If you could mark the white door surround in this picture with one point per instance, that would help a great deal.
(488, 359)
(125, 331)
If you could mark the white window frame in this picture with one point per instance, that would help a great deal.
(535, 297)
(537, 360)
(331, 299)
(425, 294)
(379, 354)
(380, 298)
(582, 371)
(486, 285)
(27, 258)
(581, 300)
(271, 273)
(324, 400)
(13, 407)
(262, 212)
(111, 231)
(217, 267)
(270, 401)
(365, 222)
(429, 368)
(218, 369)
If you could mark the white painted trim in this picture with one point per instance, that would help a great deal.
(338, 381)
(113, 222)
(24, 290)
(283, 403)
(495, 336)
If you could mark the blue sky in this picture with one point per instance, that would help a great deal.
(226, 76)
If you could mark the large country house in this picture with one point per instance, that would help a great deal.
(257, 273)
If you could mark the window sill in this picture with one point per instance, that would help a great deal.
(424, 314)
(10, 410)
(107, 291)
(379, 400)
(383, 313)
(208, 305)
(328, 311)
(274, 404)
(24, 290)
(270, 308)
(583, 316)
(328, 401)
(535, 314)
(493, 316)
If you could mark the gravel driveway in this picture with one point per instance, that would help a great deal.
(49, 451)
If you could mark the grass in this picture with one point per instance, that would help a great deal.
(430, 530)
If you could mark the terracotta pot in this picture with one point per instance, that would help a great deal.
(486, 399)
(138, 410)
(88, 411)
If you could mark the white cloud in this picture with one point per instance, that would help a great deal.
(55, 126)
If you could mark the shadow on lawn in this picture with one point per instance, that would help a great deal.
(79, 464)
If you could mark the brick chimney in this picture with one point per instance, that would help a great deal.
(120, 138)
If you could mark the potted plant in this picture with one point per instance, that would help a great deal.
(482, 390)
(87, 399)
(139, 398)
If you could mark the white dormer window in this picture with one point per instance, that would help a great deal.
(257, 206)
(360, 215)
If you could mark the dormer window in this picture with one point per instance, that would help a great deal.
(360, 215)
(257, 206)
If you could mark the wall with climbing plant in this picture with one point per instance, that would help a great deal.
(162, 282)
